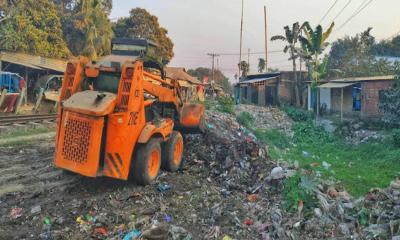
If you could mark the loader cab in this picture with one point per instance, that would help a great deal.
(134, 47)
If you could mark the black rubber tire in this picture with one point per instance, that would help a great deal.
(168, 147)
(142, 160)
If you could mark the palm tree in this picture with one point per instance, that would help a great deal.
(291, 37)
(313, 44)
(261, 65)
(244, 67)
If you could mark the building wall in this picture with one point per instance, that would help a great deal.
(325, 97)
(261, 95)
(286, 91)
(370, 97)
(347, 100)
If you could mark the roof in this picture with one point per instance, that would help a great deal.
(179, 73)
(335, 85)
(35, 62)
(260, 77)
(364, 79)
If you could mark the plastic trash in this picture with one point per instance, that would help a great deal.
(47, 221)
(306, 154)
(167, 218)
(226, 237)
(248, 222)
(100, 230)
(135, 234)
(36, 210)
(163, 187)
(16, 213)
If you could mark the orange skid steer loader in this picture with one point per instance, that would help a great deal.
(117, 120)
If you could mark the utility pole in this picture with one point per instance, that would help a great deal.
(266, 39)
(241, 37)
(213, 56)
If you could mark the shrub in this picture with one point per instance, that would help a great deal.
(297, 114)
(308, 133)
(226, 104)
(396, 137)
(299, 188)
(246, 119)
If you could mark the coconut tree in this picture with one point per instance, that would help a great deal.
(244, 67)
(291, 38)
(261, 65)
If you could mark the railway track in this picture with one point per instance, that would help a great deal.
(23, 119)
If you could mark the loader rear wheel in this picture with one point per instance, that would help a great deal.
(172, 152)
(147, 162)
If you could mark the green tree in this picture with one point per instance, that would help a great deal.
(313, 45)
(291, 38)
(388, 47)
(389, 100)
(141, 24)
(261, 65)
(354, 57)
(87, 29)
(244, 67)
(28, 28)
(219, 77)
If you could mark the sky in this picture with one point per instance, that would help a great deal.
(213, 26)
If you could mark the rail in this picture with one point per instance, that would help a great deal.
(23, 119)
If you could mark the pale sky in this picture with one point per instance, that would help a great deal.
(201, 27)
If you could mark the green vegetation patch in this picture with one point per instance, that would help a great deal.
(358, 167)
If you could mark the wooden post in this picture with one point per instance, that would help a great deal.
(341, 107)
(2, 97)
(266, 39)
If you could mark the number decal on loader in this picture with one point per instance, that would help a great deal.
(133, 118)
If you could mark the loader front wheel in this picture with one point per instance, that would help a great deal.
(147, 162)
(172, 152)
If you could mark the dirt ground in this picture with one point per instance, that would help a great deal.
(207, 199)
(226, 190)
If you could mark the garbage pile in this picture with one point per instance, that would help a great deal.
(356, 132)
(228, 189)
(268, 117)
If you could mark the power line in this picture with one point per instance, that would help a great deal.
(327, 12)
(359, 10)
(341, 11)
(252, 53)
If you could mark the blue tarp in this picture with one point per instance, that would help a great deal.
(9, 81)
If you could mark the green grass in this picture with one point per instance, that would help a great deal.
(359, 168)
(30, 131)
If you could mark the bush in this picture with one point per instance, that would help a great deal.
(396, 137)
(308, 133)
(297, 114)
(299, 188)
(246, 119)
(226, 104)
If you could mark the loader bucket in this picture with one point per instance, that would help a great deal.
(192, 118)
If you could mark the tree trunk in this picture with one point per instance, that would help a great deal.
(296, 84)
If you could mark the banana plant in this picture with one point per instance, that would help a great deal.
(313, 43)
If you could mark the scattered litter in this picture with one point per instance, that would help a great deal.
(16, 213)
(36, 209)
(163, 187)
(135, 234)
(101, 230)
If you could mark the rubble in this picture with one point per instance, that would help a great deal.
(268, 117)
(228, 189)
